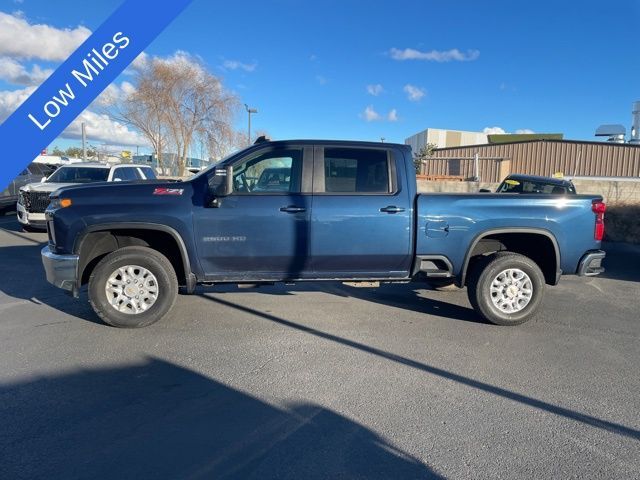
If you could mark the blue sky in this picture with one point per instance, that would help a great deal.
(544, 66)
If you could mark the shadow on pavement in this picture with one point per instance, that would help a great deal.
(622, 261)
(405, 296)
(159, 420)
(470, 382)
(23, 278)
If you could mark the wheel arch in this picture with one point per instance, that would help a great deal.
(551, 269)
(96, 241)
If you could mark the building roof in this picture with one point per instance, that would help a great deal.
(544, 140)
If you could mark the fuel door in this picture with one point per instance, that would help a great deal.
(437, 228)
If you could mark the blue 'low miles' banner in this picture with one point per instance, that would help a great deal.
(80, 79)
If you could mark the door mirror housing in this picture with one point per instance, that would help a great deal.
(222, 186)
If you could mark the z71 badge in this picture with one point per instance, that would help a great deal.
(168, 191)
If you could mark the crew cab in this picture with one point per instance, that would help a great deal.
(335, 211)
(33, 198)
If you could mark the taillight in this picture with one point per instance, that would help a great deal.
(599, 207)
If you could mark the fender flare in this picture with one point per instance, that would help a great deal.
(190, 278)
(499, 231)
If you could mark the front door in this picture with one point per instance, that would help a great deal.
(260, 231)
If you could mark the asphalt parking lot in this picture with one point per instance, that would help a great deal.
(319, 381)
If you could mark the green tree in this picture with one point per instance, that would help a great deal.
(421, 155)
(74, 152)
(57, 152)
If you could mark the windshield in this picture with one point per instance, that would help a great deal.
(79, 175)
(511, 185)
(222, 161)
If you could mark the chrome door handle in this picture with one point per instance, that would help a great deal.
(392, 209)
(293, 209)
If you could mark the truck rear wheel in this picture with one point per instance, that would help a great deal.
(506, 288)
(133, 287)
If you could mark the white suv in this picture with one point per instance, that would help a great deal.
(34, 197)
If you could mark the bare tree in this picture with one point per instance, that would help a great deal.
(177, 103)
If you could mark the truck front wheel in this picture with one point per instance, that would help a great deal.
(133, 287)
(506, 288)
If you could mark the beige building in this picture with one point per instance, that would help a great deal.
(445, 138)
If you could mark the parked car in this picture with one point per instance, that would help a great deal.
(35, 172)
(350, 212)
(536, 184)
(34, 197)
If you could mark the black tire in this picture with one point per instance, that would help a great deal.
(147, 258)
(482, 276)
(443, 284)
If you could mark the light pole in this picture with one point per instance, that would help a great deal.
(249, 112)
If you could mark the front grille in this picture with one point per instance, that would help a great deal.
(35, 202)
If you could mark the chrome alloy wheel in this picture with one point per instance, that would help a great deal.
(511, 290)
(132, 289)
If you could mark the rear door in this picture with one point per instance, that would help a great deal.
(361, 222)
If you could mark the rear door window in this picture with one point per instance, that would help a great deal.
(356, 170)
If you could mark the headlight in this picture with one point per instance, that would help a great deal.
(59, 203)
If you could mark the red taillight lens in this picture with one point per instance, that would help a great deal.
(599, 207)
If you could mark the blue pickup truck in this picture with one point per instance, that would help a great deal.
(313, 210)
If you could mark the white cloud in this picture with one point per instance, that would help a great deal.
(494, 131)
(15, 73)
(502, 131)
(237, 65)
(20, 39)
(100, 128)
(321, 80)
(435, 55)
(113, 93)
(414, 93)
(375, 90)
(11, 100)
(370, 115)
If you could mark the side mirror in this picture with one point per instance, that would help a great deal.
(485, 190)
(43, 179)
(222, 187)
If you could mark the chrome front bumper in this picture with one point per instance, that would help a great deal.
(61, 270)
(591, 264)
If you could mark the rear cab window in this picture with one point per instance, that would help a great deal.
(126, 174)
(528, 186)
(148, 173)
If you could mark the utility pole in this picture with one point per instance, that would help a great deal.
(84, 144)
(249, 112)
